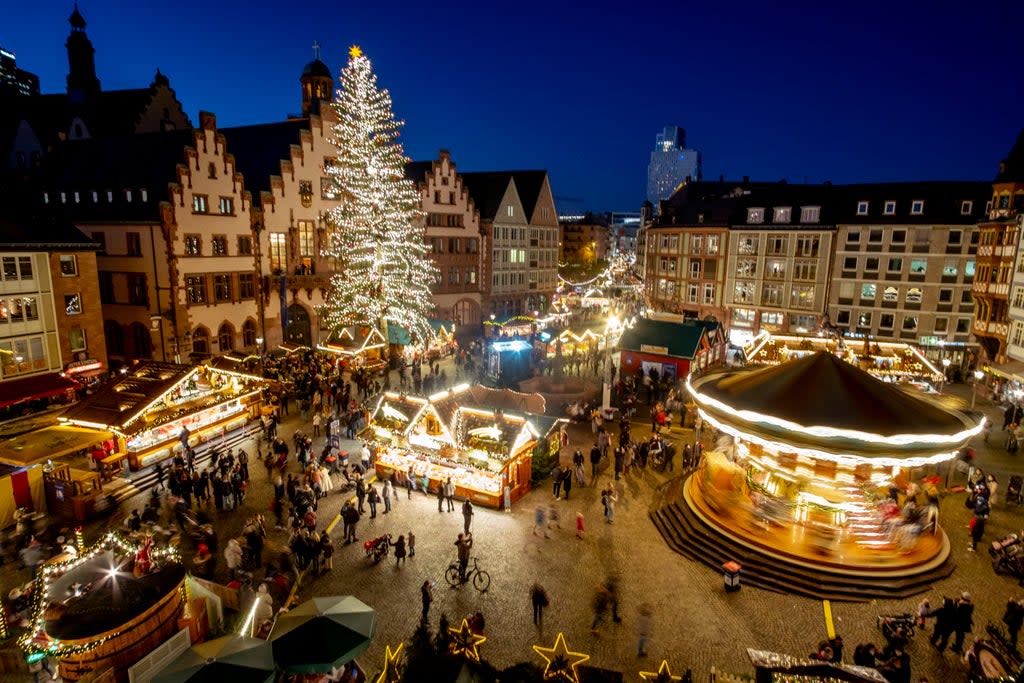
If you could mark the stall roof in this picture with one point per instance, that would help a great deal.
(349, 343)
(48, 443)
(661, 337)
(119, 402)
(23, 389)
(764, 349)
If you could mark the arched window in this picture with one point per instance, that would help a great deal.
(226, 338)
(249, 333)
(201, 341)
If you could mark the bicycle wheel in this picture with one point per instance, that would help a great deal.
(452, 575)
(481, 580)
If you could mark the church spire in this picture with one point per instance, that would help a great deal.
(82, 81)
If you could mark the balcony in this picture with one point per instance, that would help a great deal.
(307, 281)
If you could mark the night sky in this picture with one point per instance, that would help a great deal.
(847, 92)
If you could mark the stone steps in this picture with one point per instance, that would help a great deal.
(690, 535)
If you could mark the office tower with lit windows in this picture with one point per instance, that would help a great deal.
(671, 164)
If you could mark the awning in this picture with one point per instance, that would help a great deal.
(1014, 370)
(31, 388)
(49, 443)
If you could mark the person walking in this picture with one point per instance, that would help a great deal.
(963, 621)
(449, 494)
(540, 517)
(608, 497)
(426, 597)
(467, 514)
(372, 497)
(411, 542)
(600, 607)
(577, 466)
(360, 494)
(595, 460)
(945, 619)
(643, 629)
(440, 496)
(399, 550)
(350, 515)
(326, 551)
(580, 525)
(981, 512)
(539, 598)
(1013, 617)
(556, 481)
(160, 476)
(387, 491)
(567, 482)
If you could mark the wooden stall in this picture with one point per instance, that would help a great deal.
(482, 449)
(361, 346)
(73, 493)
(158, 408)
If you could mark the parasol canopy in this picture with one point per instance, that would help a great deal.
(322, 634)
(235, 658)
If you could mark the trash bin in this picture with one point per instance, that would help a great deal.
(731, 575)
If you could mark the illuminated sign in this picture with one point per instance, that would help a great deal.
(83, 366)
(648, 348)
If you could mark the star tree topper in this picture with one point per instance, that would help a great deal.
(392, 661)
(465, 642)
(355, 51)
(561, 663)
(662, 675)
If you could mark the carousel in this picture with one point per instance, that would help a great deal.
(817, 462)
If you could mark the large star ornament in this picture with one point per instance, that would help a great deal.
(662, 675)
(355, 52)
(561, 663)
(465, 642)
(392, 665)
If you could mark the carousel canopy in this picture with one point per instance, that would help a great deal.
(821, 389)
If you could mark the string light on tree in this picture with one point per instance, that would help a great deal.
(384, 270)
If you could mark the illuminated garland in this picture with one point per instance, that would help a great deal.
(36, 641)
(512, 321)
(751, 416)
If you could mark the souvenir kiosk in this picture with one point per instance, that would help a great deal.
(157, 407)
(815, 462)
(481, 449)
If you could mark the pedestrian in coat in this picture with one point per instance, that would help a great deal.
(577, 465)
(360, 494)
(449, 494)
(963, 621)
(327, 551)
(467, 514)
(608, 498)
(387, 491)
(426, 597)
(399, 550)
(567, 482)
(440, 496)
(556, 481)
(1013, 617)
(945, 618)
(540, 517)
(372, 497)
(412, 544)
(595, 460)
(539, 599)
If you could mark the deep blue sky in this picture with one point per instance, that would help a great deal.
(848, 92)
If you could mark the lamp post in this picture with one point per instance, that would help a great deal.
(978, 374)
(945, 373)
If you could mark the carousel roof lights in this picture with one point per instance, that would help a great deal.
(933, 459)
(833, 432)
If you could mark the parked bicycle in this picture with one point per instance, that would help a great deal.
(481, 579)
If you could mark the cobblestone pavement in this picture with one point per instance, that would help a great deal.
(696, 624)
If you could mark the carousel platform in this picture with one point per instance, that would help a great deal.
(691, 529)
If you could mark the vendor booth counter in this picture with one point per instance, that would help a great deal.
(482, 450)
(160, 408)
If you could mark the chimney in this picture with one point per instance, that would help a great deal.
(207, 120)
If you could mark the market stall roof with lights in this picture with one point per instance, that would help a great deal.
(887, 359)
(132, 403)
(820, 399)
(667, 338)
(349, 342)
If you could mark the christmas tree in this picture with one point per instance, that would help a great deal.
(383, 273)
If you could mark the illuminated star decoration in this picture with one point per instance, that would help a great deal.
(663, 675)
(561, 663)
(392, 662)
(355, 51)
(465, 642)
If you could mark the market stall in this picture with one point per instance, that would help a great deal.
(160, 408)
(483, 450)
(359, 347)
(888, 361)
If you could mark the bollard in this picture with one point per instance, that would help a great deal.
(731, 575)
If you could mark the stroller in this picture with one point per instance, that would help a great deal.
(1013, 490)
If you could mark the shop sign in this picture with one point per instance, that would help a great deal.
(648, 348)
(83, 366)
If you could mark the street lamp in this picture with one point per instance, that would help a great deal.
(945, 373)
(978, 374)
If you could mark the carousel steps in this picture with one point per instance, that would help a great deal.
(691, 536)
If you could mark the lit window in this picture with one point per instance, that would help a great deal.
(889, 208)
(755, 215)
(199, 203)
(917, 207)
(966, 207)
(68, 265)
(73, 304)
(227, 206)
(810, 214)
(867, 291)
(782, 214)
(862, 208)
